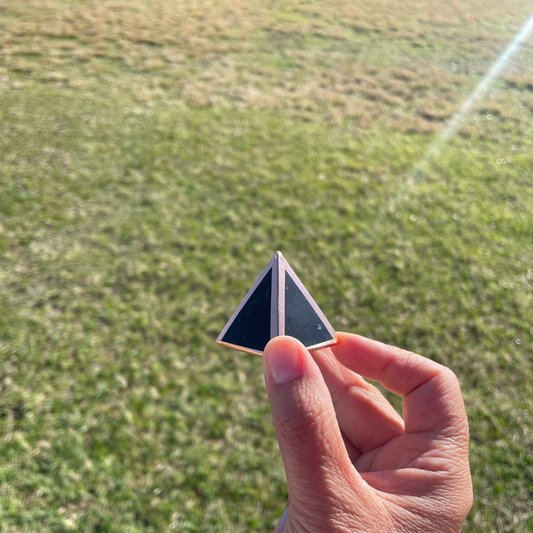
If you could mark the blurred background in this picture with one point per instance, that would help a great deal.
(154, 154)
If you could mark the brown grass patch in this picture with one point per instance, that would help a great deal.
(214, 52)
(403, 74)
(433, 115)
(524, 83)
(409, 123)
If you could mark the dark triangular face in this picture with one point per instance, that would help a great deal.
(250, 329)
(301, 319)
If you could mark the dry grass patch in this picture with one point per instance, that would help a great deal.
(411, 123)
(213, 52)
(524, 82)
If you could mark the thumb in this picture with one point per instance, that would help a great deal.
(316, 462)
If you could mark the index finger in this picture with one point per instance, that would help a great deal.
(431, 392)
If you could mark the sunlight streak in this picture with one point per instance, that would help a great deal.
(482, 88)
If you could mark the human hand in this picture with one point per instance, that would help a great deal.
(352, 463)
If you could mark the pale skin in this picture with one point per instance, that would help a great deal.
(353, 464)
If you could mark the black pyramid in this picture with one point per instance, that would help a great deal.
(277, 304)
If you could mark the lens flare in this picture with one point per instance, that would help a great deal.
(477, 94)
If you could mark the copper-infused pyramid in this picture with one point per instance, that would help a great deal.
(277, 304)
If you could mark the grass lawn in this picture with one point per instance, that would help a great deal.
(155, 154)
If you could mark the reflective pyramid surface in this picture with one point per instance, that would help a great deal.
(277, 304)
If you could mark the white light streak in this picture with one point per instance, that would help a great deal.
(482, 88)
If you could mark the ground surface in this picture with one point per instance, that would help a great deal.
(153, 156)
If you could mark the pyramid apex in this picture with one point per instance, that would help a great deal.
(278, 254)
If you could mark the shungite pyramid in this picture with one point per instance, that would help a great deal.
(277, 304)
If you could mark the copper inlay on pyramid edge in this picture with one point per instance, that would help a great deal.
(277, 304)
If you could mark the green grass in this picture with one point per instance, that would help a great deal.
(137, 206)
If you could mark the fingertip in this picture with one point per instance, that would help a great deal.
(350, 344)
(343, 338)
(340, 337)
(287, 340)
(283, 359)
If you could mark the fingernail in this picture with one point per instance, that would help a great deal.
(281, 524)
(284, 359)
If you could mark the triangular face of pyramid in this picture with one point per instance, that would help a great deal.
(277, 304)
(301, 318)
(251, 327)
